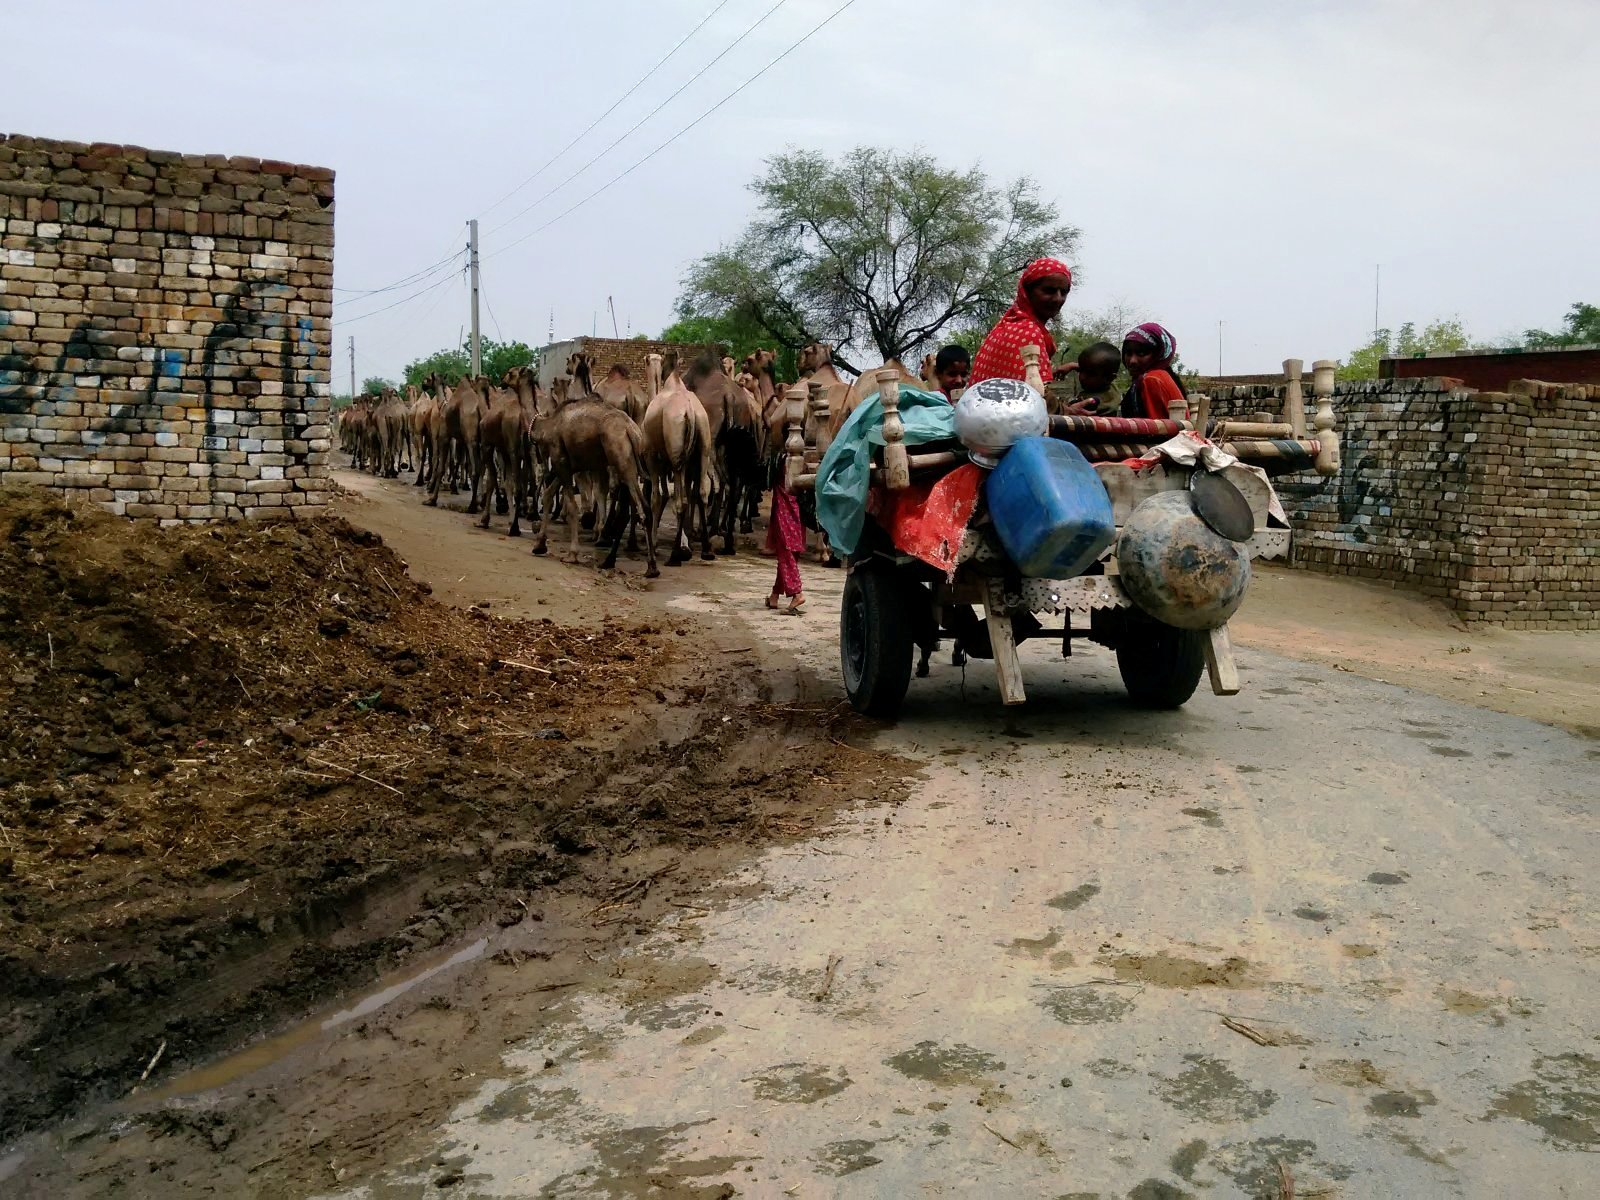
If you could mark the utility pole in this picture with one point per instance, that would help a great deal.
(352, 366)
(612, 305)
(1377, 284)
(1219, 348)
(472, 249)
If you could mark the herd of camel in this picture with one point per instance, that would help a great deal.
(702, 435)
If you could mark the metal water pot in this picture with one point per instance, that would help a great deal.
(993, 414)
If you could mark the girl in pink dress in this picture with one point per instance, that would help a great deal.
(786, 538)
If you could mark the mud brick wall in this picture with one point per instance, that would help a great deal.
(1488, 500)
(630, 352)
(164, 328)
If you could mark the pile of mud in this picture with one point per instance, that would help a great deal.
(242, 766)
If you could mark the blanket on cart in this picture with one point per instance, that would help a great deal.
(844, 476)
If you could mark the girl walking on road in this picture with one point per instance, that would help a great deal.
(786, 538)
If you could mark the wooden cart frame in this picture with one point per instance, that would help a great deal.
(894, 602)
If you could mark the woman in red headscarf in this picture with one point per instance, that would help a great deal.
(1148, 352)
(1041, 292)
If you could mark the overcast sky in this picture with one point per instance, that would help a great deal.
(1244, 161)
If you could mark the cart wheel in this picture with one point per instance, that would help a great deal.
(874, 642)
(1160, 665)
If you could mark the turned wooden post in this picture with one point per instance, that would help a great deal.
(652, 374)
(1294, 404)
(794, 446)
(896, 465)
(821, 416)
(1032, 374)
(1328, 441)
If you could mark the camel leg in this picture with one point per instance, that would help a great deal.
(730, 504)
(489, 465)
(513, 474)
(636, 493)
(571, 556)
(547, 502)
(706, 552)
(440, 456)
(618, 513)
(680, 500)
(474, 473)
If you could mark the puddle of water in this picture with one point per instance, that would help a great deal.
(265, 1053)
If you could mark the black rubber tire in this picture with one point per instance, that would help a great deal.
(1159, 664)
(874, 642)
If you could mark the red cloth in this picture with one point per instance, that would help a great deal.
(786, 538)
(1000, 356)
(928, 520)
(1154, 391)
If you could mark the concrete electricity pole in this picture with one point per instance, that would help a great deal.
(472, 246)
(352, 366)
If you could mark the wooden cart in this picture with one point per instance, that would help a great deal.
(895, 603)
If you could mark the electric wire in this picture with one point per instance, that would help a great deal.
(642, 80)
(814, 30)
(524, 211)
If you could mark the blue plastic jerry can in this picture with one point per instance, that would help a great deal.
(1049, 508)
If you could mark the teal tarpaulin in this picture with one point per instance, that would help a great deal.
(843, 475)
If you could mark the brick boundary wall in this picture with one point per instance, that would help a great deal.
(630, 352)
(164, 328)
(1489, 501)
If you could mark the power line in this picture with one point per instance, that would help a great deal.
(484, 293)
(402, 334)
(635, 126)
(403, 300)
(815, 29)
(414, 277)
(643, 79)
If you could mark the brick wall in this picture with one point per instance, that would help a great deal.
(1496, 371)
(164, 328)
(1489, 501)
(630, 352)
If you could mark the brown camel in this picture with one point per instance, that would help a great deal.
(590, 442)
(463, 414)
(620, 391)
(678, 451)
(503, 437)
(420, 407)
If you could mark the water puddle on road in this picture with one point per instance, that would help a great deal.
(264, 1053)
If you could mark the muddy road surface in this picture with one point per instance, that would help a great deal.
(1331, 937)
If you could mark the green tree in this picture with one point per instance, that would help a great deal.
(1581, 326)
(500, 357)
(880, 249)
(1078, 328)
(373, 385)
(450, 365)
(736, 332)
(1443, 336)
(453, 365)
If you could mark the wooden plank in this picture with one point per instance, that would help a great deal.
(1220, 666)
(1007, 666)
(1252, 429)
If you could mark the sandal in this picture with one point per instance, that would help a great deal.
(797, 608)
(772, 601)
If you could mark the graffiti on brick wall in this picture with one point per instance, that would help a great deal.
(25, 384)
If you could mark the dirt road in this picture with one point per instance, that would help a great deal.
(1331, 937)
